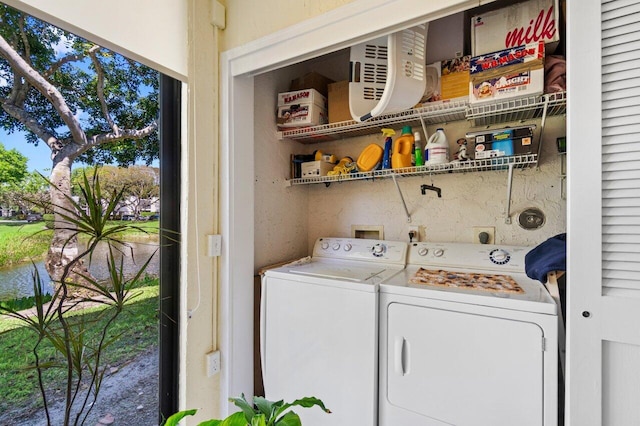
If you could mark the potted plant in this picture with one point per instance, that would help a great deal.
(262, 413)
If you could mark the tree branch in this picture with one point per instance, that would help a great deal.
(100, 90)
(45, 88)
(122, 134)
(32, 124)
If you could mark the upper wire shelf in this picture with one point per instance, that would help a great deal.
(520, 109)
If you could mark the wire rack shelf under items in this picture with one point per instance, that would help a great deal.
(482, 115)
(488, 164)
(519, 109)
(431, 114)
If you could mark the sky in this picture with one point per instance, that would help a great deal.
(39, 157)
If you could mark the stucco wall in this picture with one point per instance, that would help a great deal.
(248, 20)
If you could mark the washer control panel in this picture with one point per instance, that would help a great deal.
(361, 249)
(462, 255)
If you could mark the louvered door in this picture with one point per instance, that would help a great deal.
(604, 213)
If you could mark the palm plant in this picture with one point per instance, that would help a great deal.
(80, 341)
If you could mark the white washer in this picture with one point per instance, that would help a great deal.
(319, 328)
(472, 352)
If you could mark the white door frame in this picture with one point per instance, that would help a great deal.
(340, 28)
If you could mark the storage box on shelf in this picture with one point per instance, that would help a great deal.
(520, 109)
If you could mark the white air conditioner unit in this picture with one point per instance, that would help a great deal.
(388, 73)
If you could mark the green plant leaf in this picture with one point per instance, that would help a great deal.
(174, 419)
(236, 419)
(259, 420)
(246, 408)
(289, 419)
(267, 407)
(305, 402)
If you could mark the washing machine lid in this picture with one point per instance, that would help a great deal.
(532, 296)
(349, 271)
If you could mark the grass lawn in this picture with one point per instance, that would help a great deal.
(21, 243)
(137, 328)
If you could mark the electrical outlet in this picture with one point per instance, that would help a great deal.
(416, 232)
(490, 230)
(213, 363)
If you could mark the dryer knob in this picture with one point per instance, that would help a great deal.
(325, 245)
(336, 246)
(499, 256)
(438, 252)
(348, 247)
(422, 251)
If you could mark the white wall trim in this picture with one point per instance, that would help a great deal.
(334, 30)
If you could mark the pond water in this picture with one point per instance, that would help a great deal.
(17, 281)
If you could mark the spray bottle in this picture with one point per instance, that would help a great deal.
(386, 158)
(402, 149)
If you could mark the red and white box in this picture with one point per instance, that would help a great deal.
(507, 74)
(522, 23)
(301, 108)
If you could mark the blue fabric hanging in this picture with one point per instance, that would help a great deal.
(548, 256)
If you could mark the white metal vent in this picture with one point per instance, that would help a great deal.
(388, 73)
(620, 145)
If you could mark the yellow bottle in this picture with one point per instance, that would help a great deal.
(403, 149)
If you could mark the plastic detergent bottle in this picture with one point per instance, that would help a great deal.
(386, 158)
(402, 150)
(438, 148)
(418, 149)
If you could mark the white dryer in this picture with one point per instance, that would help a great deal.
(467, 339)
(319, 328)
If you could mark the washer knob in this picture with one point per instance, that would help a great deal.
(438, 252)
(499, 256)
(378, 250)
(325, 245)
(348, 247)
(336, 246)
(422, 251)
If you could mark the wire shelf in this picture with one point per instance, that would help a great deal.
(520, 109)
(497, 163)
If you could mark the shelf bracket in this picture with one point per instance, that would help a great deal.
(401, 198)
(543, 121)
(507, 218)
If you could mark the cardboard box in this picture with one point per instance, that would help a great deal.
(316, 168)
(311, 80)
(447, 80)
(507, 74)
(305, 96)
(339, 102)
(454, 78)
(522, 23)
(503, 142)
(301, 115)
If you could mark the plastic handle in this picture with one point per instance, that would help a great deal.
(401, 358)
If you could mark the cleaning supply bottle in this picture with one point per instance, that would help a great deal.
(402, 149)
(388, 143)
(438, 148)
(418, 150)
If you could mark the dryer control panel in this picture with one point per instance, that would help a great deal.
(475, 256)
(394, 252)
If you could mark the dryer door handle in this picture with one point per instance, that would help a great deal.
(401, 358)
